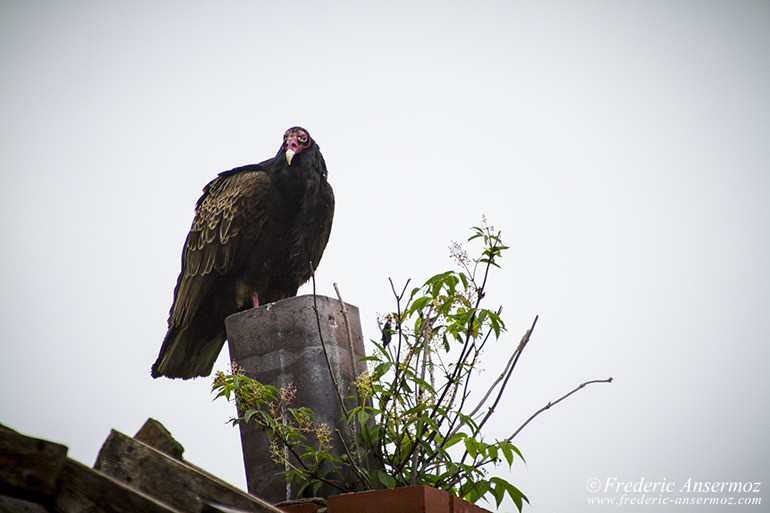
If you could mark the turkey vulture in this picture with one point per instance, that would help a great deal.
(259, 232)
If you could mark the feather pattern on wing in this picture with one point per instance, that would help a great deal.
(228, 219)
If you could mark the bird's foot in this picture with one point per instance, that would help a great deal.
(255, 299)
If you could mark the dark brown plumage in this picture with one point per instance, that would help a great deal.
(259, 232)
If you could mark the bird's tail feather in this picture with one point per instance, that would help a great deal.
(187, 354)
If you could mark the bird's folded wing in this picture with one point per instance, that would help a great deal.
(228, 219)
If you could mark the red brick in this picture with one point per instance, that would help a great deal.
(462, 506)
(409, 499)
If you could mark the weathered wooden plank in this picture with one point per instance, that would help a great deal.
(15, 505)
(213, 508)
(84, 490)
(30, 464)
(177, 483)
(155, 434)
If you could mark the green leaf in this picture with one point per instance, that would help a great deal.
(498, 492)
(454, 439)
(420, 303)
(266, 418)
(516, 450)
(438, 277)
(507, 449)
(386, 479)
(470, 446)
(513, 492)
(381, 369)
(495, 322)
(473, 491)
(492, 452)
(424, 384)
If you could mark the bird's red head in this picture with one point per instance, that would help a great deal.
(295, 140)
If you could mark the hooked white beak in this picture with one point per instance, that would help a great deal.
(289, 156)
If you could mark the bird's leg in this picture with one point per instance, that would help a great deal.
(255, 299)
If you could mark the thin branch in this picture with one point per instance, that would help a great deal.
(554, 403)
(326, 353)
(356, 468)
(397, 371)
(519, 350)
(304, 468)
(466, 392)
(426, 361)
(346, 318)
(398, 297)
(353, 362)
(452, 430)
(455, 478)
(509, 370)
(467, 346)
(349, 332)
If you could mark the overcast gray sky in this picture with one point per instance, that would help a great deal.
(623, 148)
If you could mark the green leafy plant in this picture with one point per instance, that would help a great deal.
(412, 417)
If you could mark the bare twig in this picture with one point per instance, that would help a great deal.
(468, 345)
(381, 453)
(326, 353)
(557, 401)
(426, 361)
(346, 318)
(304, 468)
(466, 387)
(509, 370)
(518, 351)
(399, 327)
(399, 297)
(452, 430)
(356, 468)
(455, 478)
